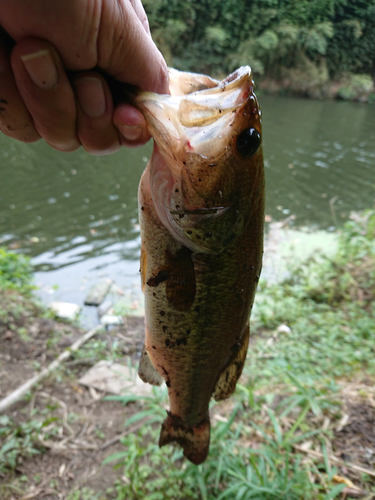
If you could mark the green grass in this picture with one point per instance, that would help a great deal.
(291, 387)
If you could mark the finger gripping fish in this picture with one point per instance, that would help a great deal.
(201, 211)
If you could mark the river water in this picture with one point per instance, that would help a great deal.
(76, 214)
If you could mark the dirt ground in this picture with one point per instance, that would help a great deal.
(85, 428)
(88, 427)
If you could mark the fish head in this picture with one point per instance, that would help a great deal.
(207, 158)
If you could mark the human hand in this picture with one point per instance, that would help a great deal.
(49, 87)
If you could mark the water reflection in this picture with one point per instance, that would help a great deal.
(318, 152)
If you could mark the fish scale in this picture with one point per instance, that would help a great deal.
(201, 211)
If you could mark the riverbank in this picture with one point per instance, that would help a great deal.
(314, 85)
(300, 425)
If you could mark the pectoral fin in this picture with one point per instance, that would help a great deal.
(226, 384)
(146, 371)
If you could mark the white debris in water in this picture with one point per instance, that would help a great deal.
(65, 310)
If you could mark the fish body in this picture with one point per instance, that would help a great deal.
(201, 211)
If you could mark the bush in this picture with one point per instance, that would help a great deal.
(15, 271)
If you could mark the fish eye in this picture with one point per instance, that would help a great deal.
(248, 142)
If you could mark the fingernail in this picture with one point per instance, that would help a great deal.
(132, 133)
(91, 96)
(41, 69)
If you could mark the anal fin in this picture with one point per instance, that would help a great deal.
(146, 371)
(226, 384)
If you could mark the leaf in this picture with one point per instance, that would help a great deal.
(335, 491)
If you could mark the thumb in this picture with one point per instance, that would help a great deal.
(127, 52)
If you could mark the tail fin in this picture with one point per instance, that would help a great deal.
(194, 440)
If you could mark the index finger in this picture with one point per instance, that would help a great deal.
(130, 55)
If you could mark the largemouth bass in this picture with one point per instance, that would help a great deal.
(201, 211)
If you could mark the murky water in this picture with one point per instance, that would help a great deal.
(76, 214)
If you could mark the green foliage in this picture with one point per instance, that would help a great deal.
(216, 36)
(328, 305)
(355, 85)
(15, 271)
(19, 441)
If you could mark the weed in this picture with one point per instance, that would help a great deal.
(15, 271)
(19, 441)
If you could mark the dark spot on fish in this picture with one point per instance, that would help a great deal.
(168, 384)
(164, 328)
(154, 347)
(184, 162)
(226, 376)
(154, 294)
(159, 278)
(219, 110)
(178, 393)
(181, 341)
(165, 371)
(181, 285)
(167, 342)
(162, 313)
(3, 101)
(236, 347)
(189, 232)
(2, 109)
(199, 180)
(142, 208)
(188, 331)
(176, 190)
(197, 309)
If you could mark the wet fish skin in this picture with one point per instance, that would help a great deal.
(201, 210)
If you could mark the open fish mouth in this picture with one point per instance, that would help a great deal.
(198, 116)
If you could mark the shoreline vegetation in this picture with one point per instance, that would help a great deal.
(299, 426)
(320, 50)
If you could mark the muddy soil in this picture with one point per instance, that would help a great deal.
(84, 428)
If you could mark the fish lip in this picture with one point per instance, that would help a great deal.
(235, 79)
